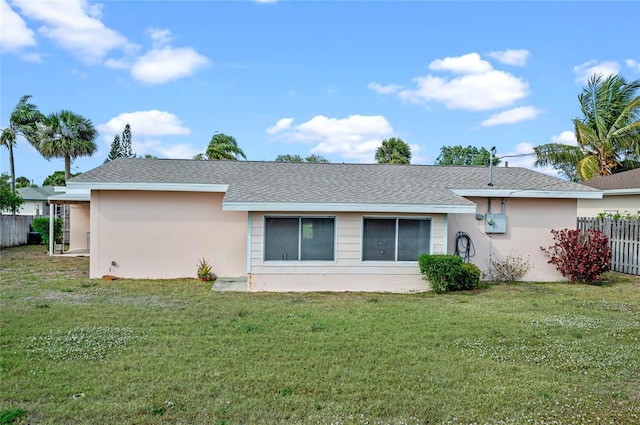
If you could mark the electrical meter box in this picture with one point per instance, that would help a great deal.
(495, 223)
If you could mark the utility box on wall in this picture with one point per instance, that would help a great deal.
(495, 223)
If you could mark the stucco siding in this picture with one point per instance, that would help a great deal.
(164, 234)
(36, 208)
(529, 222)
(79, 224)
(347, 272)
(609, 203)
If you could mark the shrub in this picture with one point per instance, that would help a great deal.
(41, 225)
(580, 255)
(448, 273)
(470, 276)
(511, 269)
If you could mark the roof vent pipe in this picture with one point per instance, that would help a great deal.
(493, 152)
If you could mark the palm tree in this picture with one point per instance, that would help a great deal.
(67, 135)
(608, 134)
(393, 151)
(222, 147)
(23, 121)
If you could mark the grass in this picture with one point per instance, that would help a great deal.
(75, 350)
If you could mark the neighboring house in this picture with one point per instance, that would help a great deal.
(35, 200)
(72, 205)
(316, 227)
(621, 193)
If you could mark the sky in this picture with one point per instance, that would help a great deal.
(332, 78)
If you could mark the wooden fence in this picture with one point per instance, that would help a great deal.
(14, 230)
(624, 239)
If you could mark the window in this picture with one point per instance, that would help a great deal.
(395, 239)
(299, 238)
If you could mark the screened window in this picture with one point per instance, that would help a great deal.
(395, 239)
(299, 238)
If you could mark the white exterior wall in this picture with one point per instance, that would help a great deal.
(78, 226)
(529, 224)
(348, 272)
(609, 203)
(38, 208)
(163, 235)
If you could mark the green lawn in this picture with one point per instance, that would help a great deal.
(75, 350)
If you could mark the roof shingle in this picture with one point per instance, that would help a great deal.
(283, 182)
(625, 180)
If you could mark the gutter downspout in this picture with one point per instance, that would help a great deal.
(249, 230)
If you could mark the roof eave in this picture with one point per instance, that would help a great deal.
(158, 187)
(347, 207)
(515, 193)
(633, 191)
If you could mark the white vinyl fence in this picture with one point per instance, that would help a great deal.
(624, 239)
(14, 230)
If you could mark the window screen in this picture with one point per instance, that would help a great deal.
(299, 238)
(395, 239)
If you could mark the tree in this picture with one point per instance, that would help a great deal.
(608, 133)
(22, 182)
(56, 179)
(393, 151)
(121, 147)
(222, 147)
(458, 155)
(10, 201)
(22, 121)
(116, 150)
(67, 135)
(127, 150)
(297, 158)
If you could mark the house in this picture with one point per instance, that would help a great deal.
(317, 227)
(621, 193)
(35, 200)
(72, 206)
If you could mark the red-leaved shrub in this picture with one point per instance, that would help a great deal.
(581, 255)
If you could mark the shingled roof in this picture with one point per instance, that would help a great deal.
(625, 180)
(36, 193)
(248, 183)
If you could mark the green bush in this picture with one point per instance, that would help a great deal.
(41, 225)
(442, 271)
(470, 276)
(448, 273)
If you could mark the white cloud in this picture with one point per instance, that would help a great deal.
(162, 150)
(164, 64)
(388, 89)
(75, 25)
(160, 37)
(635, 65)
(355, 137)
(144, 123)
(479, 88)
(519, 157)
(281, 125)
(512, 116)
(511, 57)
(470, 63)
(566, 138)
(121, 63)
(477, 92)
(586, 70)
(14, 33)
(146, 127)
(31, 57)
